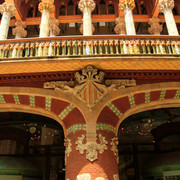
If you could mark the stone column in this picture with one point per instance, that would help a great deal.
(7, 11)
(45, 7)
(155, 28)
(166, 7)
(54, 27)
(120, 26)
(19, 31)
(128, 6)
(93, 160)
(87, 6)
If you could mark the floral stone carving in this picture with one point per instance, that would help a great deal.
(114, 149)
(68, 145)
(84, 177)
(91, 148)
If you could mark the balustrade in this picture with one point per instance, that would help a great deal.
(90, 46)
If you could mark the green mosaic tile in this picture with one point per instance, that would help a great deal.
(162, 95)
(66, 111)
(177, 93)
(147, 97)
(131, 100)
(16, 99)
(2, 99)
(32, 100)
(75, 128)
(48, 103)
(106, 127)
(115, 110)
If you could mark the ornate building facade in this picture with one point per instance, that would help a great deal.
(103, 75)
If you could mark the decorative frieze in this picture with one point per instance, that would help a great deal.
(114, 143)
(67, 144)
(91, 148)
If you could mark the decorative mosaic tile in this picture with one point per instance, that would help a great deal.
(48, 103)
(16, 99)
(177, 93)
(2, 99)
(162, 95)
(131, 100)
(66, 111)
(147, 97)
(75, 128)
(115, 110)
(106, 127)
(32, 100)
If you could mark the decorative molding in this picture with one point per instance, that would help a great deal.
(86, 176)
(106, 127)
(75, 128)
(121, 82)
(114, 149)
(115, 110)
(91, 148)
(66, 111)
(68, 145)
(58, 84)
(8, 8)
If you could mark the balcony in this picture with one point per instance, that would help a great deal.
(82, 46)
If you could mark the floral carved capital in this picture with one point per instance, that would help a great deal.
(92, 148)
(90, 4)
(126, 3)
(155, 28)
(165, 4)
(54, 27)
(114, 149)
(68, 145)
(120, 26)
(46, 4)
(8, 8)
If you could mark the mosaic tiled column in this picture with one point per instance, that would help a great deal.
(87, 6)
(19, 31)
(166, 7)
(7, 11)
(92, 160)
(128, 6)
(45, 7)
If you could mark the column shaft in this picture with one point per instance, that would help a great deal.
(170, 22)
(130, 29)
(44, 27)
(87, 22)
(4, 28)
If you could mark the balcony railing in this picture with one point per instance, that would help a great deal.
(89, 46)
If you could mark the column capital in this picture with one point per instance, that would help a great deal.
(126, 3)
(46, 4)
(19, 29)
(155, 28)
(54, 27)
(8, 8)
(120, 26)
(90, 4)
(165, 4)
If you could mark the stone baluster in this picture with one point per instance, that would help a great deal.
(87, 6)
(45, 7)
(155, 28)
(79, 43)
(63, 48)
(95, 44)
(69, 48)
(166, 7)
(128, 6)
(58, 48)
(143, 46)
(116, 43)
(122, 46)
(106, 46)
(168, 44)
(148, 46)
(54, 27)
(7, 11)
(100, 47)
(111, 43)
(19, 31)
(15, 50)
(136, 47)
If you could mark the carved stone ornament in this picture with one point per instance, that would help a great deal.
(114, 149)
(58, 84)
(165, 4)
(91, 148)
(86, 176)
(120, 26)
(126, 3)
(8, 8)
(90, 4)
(46, 4)
(121, 83)
(19, 29)
(68, 145)
(155, 28)
(54, 27)
(81, 28)
(116, 177)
